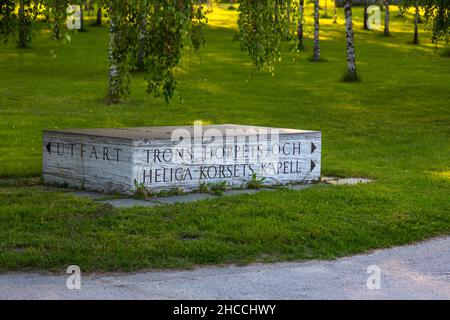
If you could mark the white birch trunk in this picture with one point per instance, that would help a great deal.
(114, 63)
(351, 64)
(316, 54)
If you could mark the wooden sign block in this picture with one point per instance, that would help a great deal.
(163, 158)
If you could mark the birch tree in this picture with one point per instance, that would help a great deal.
(416, 22)
(405, 5)
(351, 64)
(335, 11)
(24, 25)
(288, 4)
(118, 51)
(15, 21)
(140, 15)
(386, 18)
(366, 14)
(56, 11)
(301, 19)
(316, 51)
(437, 15)
(140, 65)
(98, 19)
(259, 32)
(82, 26)
(163, 30)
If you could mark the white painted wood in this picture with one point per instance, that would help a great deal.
(112, 160)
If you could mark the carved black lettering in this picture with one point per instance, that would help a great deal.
(188, 173)
(157, 175)
(286, 150)
(280, 164)
(179, 176)
(252, 169)
(214, 171)
(286, 167)
(117, 153)
(82, 150)
(156, 153)
(58, 148)
(202, 173)
(93, 152)
(71, 149)
(296, 146)
(236, 170)
(105, 153)
(149, 175)
(167, 155)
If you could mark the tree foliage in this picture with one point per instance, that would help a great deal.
(437, 14)
(155, 33)
(260, 31)
(56, 13)
(150, 35)
(171, 26)
(16, 24)
(119, 46)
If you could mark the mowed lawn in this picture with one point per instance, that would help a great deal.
(393, 127)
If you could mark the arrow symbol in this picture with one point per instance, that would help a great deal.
(313, 147)
(313, 165)
(49, 147)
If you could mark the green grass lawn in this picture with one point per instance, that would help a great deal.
(394, 127)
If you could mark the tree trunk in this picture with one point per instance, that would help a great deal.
(335, 11)
(301, 9)
(386, 18)
(57, 19)
(351, 64)
(325, 9)
(56, 31)
(117, 53)
(82, 28)
(140, 65)
(288, 19)
(98, 21)
(366, 14)
(276, 13)
(316, 54)
(416, 21)
(23, 26)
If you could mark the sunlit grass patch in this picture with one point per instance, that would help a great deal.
(392, 127)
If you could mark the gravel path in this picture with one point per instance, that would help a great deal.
(420, 271)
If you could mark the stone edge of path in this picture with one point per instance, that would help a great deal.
(192, 197)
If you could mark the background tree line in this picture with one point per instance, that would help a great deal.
(151, 35)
